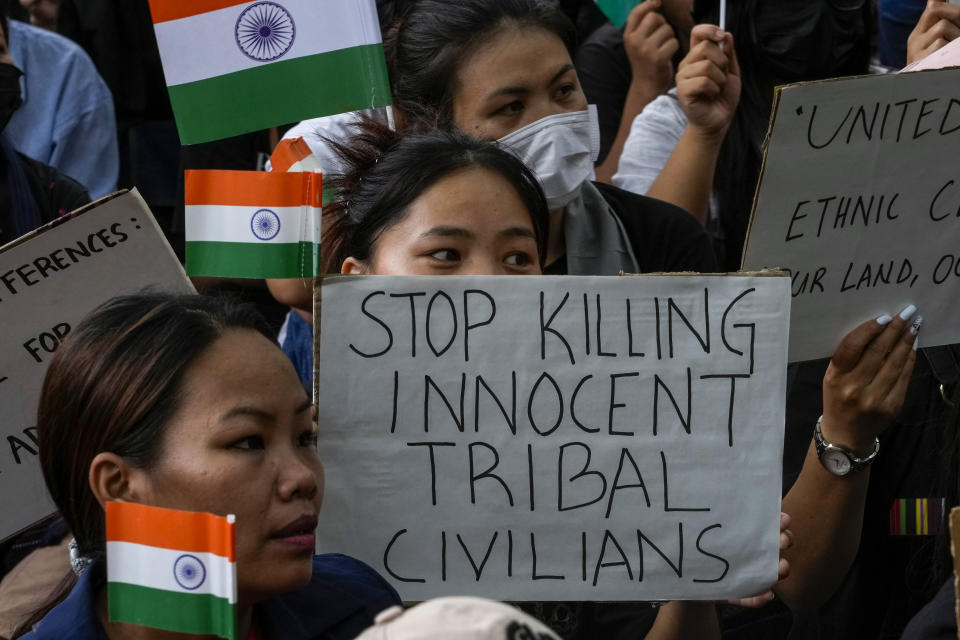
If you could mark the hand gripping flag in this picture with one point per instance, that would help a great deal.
(253, 224)
(172, 570)
(233, 67)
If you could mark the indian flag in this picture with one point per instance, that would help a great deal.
(253, 224)
(172, 570)
(233, 67)
(292, 155)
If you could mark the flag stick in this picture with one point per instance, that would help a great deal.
(723, 15)
(317, 304)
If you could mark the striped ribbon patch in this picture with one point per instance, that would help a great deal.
(917, 516)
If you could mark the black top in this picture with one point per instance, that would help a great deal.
(54, 194)
(605, 76)
(664, 237)
(937, 620)
(893, 573)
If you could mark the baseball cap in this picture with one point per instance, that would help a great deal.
(457, 618)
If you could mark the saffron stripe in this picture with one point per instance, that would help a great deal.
(288, 153)
(246, 260)
(252, 189)
(172, 611)
(166, 10)
(170, 529)
(286, 91)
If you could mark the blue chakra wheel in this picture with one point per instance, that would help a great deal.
(189, 572)
(265, 225)
(265, 31)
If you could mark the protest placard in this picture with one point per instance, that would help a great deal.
(49, 280)
(555, 438)
(859, 198)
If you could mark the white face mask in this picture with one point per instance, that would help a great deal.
(560, 150)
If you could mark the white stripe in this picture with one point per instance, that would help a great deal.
(153, 567)
(205, 45)
(218, 223)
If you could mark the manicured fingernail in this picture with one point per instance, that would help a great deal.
(916, 343)
(884, 319)
(915, 325)
(908, 312)
(719, 35)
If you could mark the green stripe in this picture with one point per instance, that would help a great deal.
(903, 517)
(171, 610)
(280, 93)
(249, 260)
(329, 192)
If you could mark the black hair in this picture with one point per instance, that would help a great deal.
(385, 172)
(429, 39)
(114, 385)
(738, 166)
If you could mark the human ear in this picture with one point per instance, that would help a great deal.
(113, 479)
(353, 267)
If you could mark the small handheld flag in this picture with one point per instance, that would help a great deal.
(292, 155)
(235, 66)
(252, 224)
(172, 570)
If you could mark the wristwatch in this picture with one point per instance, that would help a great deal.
(839, 460)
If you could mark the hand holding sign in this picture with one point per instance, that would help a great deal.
(786, 542)
(866, 383)
(939, 25)
(708, 81)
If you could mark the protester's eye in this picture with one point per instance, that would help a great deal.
(445, 255)
(309, 438)
(566, 91)
(518, 259)
(511, 109)
(250, 443)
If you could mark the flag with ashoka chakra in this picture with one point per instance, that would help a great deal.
(233, 67)
(253, 224)
(172, 570)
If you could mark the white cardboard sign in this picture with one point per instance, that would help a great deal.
(50, 280)
(859, 199)
(555, 438)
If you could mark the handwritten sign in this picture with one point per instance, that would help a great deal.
(49, 280)
(859, 199)
(555, 438)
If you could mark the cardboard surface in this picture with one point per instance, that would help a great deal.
(555, 438)
(49, 280)
(859, 198)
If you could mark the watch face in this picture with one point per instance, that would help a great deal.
(836, 462)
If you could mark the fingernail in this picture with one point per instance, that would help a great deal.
(908, 312)
(915, 325)
(884, 319)
(719, 35)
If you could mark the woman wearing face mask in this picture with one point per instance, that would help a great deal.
(699, 147)
(185, 402)
(502, 70)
